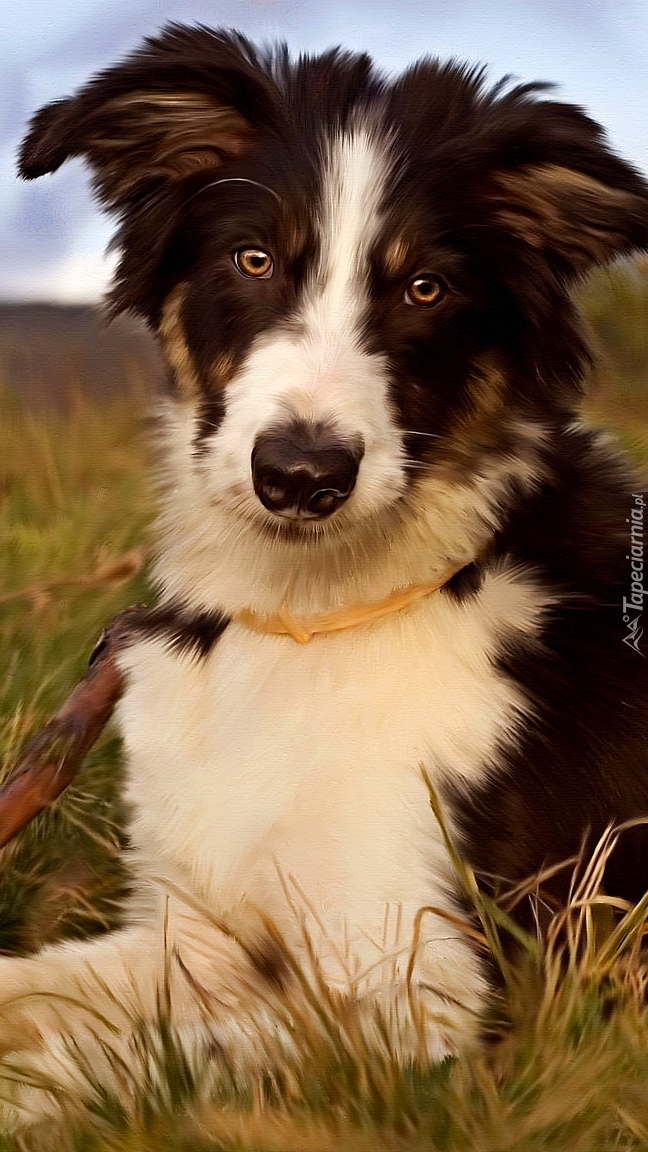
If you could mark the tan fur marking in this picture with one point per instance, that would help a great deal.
(166, 134)
(294, 237)
(482, 430)
(174, 344)
(396, 254)
(553, 205)
(569, 178)
(530, 213)
(222, 370)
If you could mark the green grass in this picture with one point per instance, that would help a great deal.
(72, 502)
(568, 1070)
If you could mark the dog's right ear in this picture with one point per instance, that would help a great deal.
(186, 101)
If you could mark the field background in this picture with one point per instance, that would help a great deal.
(569, 1074)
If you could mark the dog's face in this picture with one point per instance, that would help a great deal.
(360, 287)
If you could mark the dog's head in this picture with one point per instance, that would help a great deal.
(360, 286)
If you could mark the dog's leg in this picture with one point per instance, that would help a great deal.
(429, 994)
(411, 980)
(80, 1007)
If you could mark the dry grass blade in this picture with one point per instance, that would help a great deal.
(109, 572)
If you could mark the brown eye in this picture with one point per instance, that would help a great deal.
(425, 290)
(254, 262)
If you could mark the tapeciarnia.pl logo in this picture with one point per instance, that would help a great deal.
(633, 606)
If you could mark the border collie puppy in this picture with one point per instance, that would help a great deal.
(390, 560)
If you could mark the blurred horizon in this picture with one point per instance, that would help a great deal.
(52, 235)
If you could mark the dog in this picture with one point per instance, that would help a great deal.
(400, 583)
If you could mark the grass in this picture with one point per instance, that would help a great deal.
(72, 503)
(566, 1064)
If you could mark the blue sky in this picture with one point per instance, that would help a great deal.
(52, 236)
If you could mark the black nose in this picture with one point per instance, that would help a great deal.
(304, 471)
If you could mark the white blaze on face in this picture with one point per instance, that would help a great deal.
(355, 169)
(315, 367)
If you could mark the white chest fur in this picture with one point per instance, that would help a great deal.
(272, 774)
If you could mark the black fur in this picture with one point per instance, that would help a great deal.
(194, 633)
(582, 760)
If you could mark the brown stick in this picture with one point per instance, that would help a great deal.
(52, 757)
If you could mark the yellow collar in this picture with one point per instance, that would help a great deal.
(285, 623)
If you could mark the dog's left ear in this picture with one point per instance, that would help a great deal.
(559, 188)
